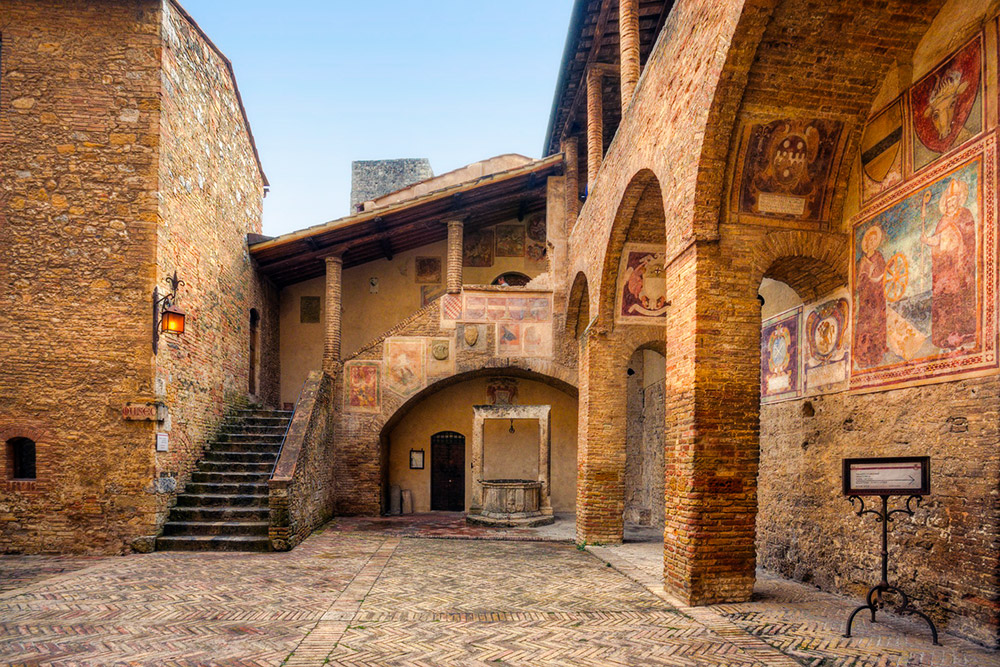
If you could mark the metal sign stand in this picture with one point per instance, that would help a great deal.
(874, 598)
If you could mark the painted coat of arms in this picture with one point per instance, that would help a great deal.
(404, 365)
(826, 324)
(779, 357)
(363, 392)
(642, 285)
(924, 277)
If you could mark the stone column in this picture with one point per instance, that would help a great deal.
(545, 458)
(455, 228)
(628, 31)
(571, 157)
(595, 125)
(331, 339)
(478, 423)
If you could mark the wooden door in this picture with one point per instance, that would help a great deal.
(448, 471)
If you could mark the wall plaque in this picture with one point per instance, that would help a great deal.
(150, 411)
(901, 475)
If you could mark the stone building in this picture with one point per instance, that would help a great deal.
(761, 239)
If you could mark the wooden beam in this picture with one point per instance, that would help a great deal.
(595, 48)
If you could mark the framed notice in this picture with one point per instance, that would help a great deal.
(416, 459)
(894, 476)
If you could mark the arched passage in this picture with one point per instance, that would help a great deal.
(447, 406)
(644, 474)
(578, 306)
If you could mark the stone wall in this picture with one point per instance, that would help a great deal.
(373, 178)
(211, 191)
(644, 477)
(79, 125)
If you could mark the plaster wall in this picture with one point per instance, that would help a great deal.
(506, 455)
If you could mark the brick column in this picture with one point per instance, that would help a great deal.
(331, 339)
(601, 426)
(455, 228)
(595, 125)
(571, 158)
(711, 439)
(628, 30)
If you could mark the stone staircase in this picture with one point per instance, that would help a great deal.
(224, 507)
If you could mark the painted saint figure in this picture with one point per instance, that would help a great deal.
(953, 260)
(870, 342)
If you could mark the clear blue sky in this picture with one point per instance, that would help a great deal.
(328, 82)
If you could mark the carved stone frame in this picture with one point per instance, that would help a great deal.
(543, 414)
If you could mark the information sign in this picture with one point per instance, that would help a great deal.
(901, 475)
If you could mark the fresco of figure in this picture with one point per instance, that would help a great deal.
(870, 342)
(953, 260)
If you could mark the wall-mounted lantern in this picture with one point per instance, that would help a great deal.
(167, 317)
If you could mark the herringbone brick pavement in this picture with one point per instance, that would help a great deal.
(21, 571)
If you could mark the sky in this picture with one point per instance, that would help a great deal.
(328, 82)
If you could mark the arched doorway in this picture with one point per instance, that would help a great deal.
(447, 472)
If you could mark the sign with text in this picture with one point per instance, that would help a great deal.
(901, 475)
(150, 411)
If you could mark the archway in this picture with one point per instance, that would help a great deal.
(644, 442)
(448, 406)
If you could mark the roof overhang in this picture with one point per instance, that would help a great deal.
(382, 232)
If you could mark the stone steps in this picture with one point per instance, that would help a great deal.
(225, 505)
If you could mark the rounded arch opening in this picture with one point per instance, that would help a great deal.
(578, 306)
(511, 279)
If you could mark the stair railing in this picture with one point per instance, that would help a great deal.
(284, 436)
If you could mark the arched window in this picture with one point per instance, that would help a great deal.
(512, 279)
(21, 458)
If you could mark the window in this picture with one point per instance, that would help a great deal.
(309, 310)
(21, 454)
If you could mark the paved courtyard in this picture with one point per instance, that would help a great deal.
(350, 596)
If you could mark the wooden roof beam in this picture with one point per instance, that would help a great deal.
(595, 48)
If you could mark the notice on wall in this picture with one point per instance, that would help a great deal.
(162, 442)
(887, 476)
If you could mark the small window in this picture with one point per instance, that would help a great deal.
(21, 454)
(511, 279)
(309, 310)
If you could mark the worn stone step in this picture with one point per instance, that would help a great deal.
(222, 500)
(202, 477)
(234, 466)
(213, 543)
(223, 513)
(225, 489)
(258, 528)
(250, 437)
(238, 429)
(240, 457)
(263, 447)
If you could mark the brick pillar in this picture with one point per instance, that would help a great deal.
(628, 30)
(331, 339)
(595, 125)
(711, 439)
(571, 158)
(455, 228)
(601, 425)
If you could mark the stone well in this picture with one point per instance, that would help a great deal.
(511, 502)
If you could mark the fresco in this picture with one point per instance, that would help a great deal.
(946, 106)
(430, 292)
(826, 348)
(786, 167)
(363, 392)
(428, 270)
(477, 248)
(923, 276)
(440, 358)
(510, 240)
(882, 151)
(779, 357)
(642, 285)
(520, 320)
(404, 365)
(509, 341)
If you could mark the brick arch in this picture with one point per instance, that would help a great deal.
(811, 263)
(641, 201)
(578, 305)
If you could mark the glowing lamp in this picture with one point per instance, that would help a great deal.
(172, 320)
(167, 317)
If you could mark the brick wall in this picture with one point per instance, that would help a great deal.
(211, 194)
(79, 118)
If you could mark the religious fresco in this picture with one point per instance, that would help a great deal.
(642, 285)
(786, 168)
(363, 391)
(882, 151)
(440, 358)
(946, 106)
(923, 279)
(779, 357)
(510, 240)
(826, 347)
(477, 248)
(428, 270)
(404, 365)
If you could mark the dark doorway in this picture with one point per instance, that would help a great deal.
(448, 471)
(254, 326)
